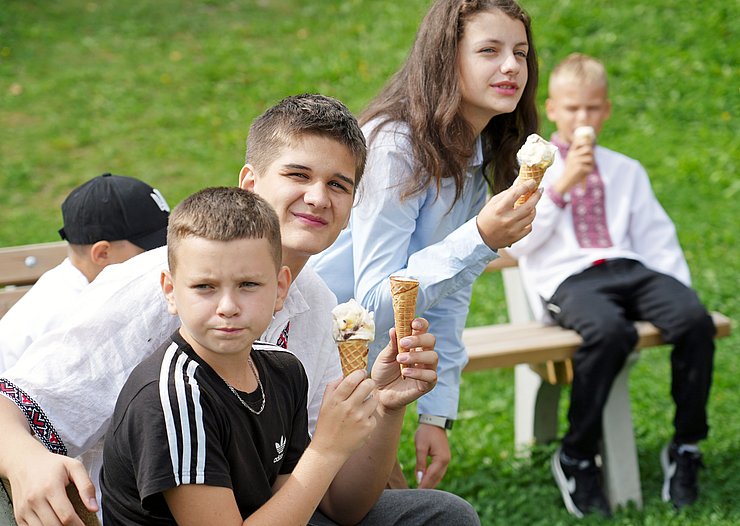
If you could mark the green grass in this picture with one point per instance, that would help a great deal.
(166, 90)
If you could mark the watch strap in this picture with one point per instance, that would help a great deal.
(439, 421)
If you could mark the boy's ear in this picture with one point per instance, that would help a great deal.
(246, 177)
(550, 109)
(283, 285)
(165, 280)
(100, 252)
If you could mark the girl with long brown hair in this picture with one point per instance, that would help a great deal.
(443, 131)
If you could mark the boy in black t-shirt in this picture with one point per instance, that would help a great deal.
(212, 428)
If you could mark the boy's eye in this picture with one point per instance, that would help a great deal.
(202, 286)
(249, 284)
(298, 175)
(340, 185)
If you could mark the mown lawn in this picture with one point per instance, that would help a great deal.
(165, 90)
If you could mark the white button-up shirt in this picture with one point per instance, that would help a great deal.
(638, 225)
(34, 313)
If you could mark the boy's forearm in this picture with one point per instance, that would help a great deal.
(368, 469)
(296, 499)
(16, 437)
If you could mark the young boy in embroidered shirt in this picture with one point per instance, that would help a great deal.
(212, 428)
(109, 219)
(603, 252)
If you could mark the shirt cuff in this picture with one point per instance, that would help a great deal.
(556, 197)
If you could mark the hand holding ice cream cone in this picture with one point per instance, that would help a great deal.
(354, 329)
(584, 136)
(579, 162)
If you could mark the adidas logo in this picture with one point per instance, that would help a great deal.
(279, 447)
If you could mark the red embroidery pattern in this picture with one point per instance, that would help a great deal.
(588, 207)
(589, 213)
(282, 340)
(36, 417)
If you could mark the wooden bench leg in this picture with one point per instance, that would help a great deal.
(6, 507)
(618, 450)
(536, 409)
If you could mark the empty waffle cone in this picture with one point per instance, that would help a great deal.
(404, 292)
(353, 354)
(527, 173)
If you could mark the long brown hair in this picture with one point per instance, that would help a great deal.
(425, 94)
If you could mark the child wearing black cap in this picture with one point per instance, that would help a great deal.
(107, 220)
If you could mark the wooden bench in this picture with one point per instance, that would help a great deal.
(541, 355)
(21, 266)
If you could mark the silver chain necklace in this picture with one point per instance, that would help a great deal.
(259, 384)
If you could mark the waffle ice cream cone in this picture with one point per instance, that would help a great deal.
(354, 329)
(353, 354)
(526, 173)
(404, 292)
(535, 157)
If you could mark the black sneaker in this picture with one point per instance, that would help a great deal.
(680, 475)
(580, 485)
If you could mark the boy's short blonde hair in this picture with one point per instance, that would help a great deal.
(579, 68)
(223, 214)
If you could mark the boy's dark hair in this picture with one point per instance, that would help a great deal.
(223, 214)
(297, 116)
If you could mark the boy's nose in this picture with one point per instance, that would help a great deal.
(317, 195)
(227, 306)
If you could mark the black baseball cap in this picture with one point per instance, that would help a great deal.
(114, 208)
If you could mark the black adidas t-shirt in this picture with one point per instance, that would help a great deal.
(176, 422)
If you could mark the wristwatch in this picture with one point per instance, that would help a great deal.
(439, 421)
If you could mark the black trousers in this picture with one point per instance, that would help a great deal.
(600, 304)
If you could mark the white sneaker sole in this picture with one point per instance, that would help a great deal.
(669, 470)
(562, 481)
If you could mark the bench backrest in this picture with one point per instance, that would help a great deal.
(21, 266)
(517, 303)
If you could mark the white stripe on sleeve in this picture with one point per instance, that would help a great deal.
(182, 405)
(164, 398)
(200, 464)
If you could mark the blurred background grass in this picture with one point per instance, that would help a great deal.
(165, 91)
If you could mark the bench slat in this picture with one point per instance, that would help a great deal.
(507, 345)
(23, 265)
